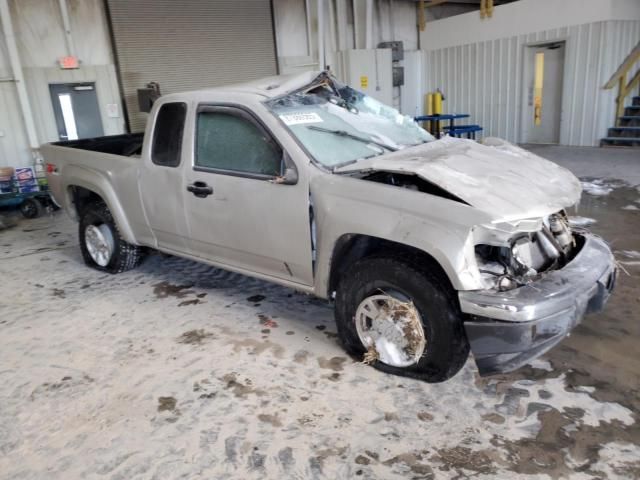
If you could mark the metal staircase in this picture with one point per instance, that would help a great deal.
(626, 132)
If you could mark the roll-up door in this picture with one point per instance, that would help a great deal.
(189, 44)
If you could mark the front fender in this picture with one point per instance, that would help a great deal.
(440, 227)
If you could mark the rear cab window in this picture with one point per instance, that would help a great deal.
(167, 134)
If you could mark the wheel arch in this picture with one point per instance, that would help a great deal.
(350, 248)
(81, 194)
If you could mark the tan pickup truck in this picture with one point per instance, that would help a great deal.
(429, 248)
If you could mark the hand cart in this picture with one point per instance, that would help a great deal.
(31, 204)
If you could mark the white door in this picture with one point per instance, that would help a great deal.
(544, 74)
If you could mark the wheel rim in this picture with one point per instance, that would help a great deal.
(390, 327)
(100, 244)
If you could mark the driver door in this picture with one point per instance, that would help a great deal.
(238, 214)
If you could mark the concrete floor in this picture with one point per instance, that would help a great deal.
(613, 163)
(178, 370)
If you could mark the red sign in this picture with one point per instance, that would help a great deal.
(68, 62)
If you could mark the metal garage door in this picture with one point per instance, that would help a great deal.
(190, 44)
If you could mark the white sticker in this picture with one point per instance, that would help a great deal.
(298, 118)
(112, 110)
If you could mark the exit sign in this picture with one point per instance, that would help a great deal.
(68, 62)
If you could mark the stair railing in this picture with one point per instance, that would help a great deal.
(620, 78)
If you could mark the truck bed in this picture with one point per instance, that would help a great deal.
(108, 166)
(126, 145)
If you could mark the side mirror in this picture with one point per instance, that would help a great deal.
(290, 177)
(290, 174)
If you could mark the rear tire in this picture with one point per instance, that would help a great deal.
(102, 246)
(446, 348)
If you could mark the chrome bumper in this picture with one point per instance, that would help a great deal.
(508, 329)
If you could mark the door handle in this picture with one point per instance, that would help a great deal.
(200, 189)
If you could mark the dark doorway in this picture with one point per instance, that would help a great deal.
(75, 106)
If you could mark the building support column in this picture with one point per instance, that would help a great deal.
(321, 59)
(344, 41)
(66, 23)
(368, 33)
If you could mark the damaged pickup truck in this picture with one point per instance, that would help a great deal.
(429, 248)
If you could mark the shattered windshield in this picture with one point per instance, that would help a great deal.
(339, 125)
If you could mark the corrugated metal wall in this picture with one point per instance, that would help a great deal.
(485, 79)
(190, 44)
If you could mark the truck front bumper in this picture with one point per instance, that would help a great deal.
(508, 329)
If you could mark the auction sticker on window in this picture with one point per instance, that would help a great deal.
(298, 118)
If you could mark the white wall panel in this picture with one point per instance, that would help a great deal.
(5, 68)
(104, 77)
(290, 20)
(411, 97)
(404, 24)
(485, 78)
(41, 41)
(14, 147)
(392, 20)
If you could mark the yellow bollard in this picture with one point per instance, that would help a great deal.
(437, 103)
(428, 104)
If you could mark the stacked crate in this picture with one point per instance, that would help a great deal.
(7, 184)
(20, 180)
(26, 180)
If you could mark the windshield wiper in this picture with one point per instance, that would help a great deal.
(349, 162)
(344, 133)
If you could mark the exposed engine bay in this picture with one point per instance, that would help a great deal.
(527, 255)
(411, 182)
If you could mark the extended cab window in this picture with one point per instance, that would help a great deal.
(167, 134)
(229, 141)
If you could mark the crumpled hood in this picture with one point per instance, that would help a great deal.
(502, 179)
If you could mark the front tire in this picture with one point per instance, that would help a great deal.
(401, 319)
(102, 246)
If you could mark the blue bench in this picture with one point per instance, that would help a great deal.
(460, 130)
